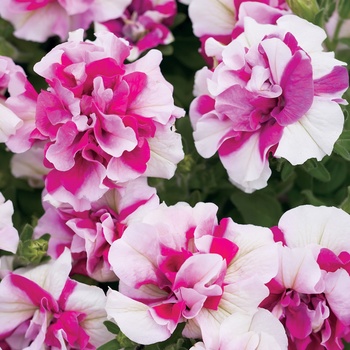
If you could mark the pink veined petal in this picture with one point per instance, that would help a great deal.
(314, 135)
(91, 302)
(15, 302)
(83, 180)
(134, 319)
(52, 276)
(298, 90)
(112, 135)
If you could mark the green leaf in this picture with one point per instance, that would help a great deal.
(112, 327)
(26, 233)
(179, 19)
(317, 170)
(344, 9)
(111, 345)
(345, 205)
(258, 208)
(342, 146)
(7, 49)
(311, 199)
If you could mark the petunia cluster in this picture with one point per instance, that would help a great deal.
(115, 255)
(145, 24)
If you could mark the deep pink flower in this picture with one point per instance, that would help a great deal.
(37, 20)
(105, 122)
(310, 292)
(274, 92)
(145, 24)
(42, 308)
(90, 233)
(180, 265)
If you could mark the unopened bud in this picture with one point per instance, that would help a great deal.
(306, 9)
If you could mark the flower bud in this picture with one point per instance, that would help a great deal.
(306, 9)
(32, 251)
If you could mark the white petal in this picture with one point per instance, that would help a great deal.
(299, 270)
(314, 135)
(328, 227)
(209, 134)
(245, 167)
(215, 17)
(166, 153)
(134, 319)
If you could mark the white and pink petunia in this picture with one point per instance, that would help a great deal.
(255, 331)
(17, 120)
(90, 233)
(180, 265)
(104, 122)
(144, 23)
(223, 19)
(42, 308)
(9, 237)
(309, 295)
(274, 92)
(37, 20)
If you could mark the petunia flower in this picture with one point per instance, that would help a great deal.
(37, 20)
(17, 120)
(42, 308)
(144, 23)
(180, 265)
(9, 237)
(90, 233)
(275, 92)
(309, 295)
(257, 331)
(104, 122)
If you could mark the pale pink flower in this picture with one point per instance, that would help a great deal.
(255, 331)
(310, 292)
(9, 237)
(105, 122)
(18, 110)
(38, 20)
(42, 308)
(90, 233)
(275, 91)
(145, 24)
(180, 265)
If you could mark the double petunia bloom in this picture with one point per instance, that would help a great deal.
(274, 91)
